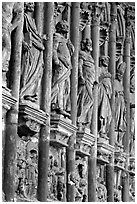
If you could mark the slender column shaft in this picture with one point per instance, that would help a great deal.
(74, 35)
(126, 83)
(12, 115)
(112, 68)
(95, 35)
(45, 104)
(39, 16)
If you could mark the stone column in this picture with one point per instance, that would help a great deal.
(126, 83)
(112, 68)
(95, 35)
(45, 103)
(39, 16)
(12, 114)
(74, 36)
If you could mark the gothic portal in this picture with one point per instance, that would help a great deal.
(68, 101)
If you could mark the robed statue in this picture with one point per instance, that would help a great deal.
(32, 57)
(62, 51)
(86, 79)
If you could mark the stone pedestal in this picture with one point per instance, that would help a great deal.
(104, 151)
(30, 119)
(84, 141)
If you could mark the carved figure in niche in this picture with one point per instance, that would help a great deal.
(62, 51)
(117, 194)
(104, 96)
(86, 74)
(53, 174)
(32, 56)
(120, 109)
(20, 176)
(101, 190)
(79, 179)
(60, 183)
(32, 173)
(11, 17)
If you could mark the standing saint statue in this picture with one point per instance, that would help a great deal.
(104, 96)
(11, 18)
(62, 51)
(120, 109)
(32, 57)
(86, 79)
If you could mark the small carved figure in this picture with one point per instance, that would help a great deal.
(86, 73)
(60, 184)
(62, 51)
(120, 109)
(101, 190)
(11, 17)
(104, 96)
(32, 57)
(32, 173)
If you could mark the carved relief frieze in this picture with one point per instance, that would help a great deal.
(132, 188)
(56, 174)
(26, 169)
(79, 178)
(101, 190)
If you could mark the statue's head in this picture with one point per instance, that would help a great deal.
(29, 6)
(86, 44)
(62, 27)
(103, 61)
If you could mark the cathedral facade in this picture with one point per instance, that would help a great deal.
(68, 101)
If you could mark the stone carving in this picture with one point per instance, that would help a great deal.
(32, 57)
(86, 73)
(11, 17)
(79, 179)
(62, 51)
(56, 182)
(117, 194)
(101, 189)
(120, 109)
(131, 188)
(27, 169)
(104, 96)
(85, 15)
